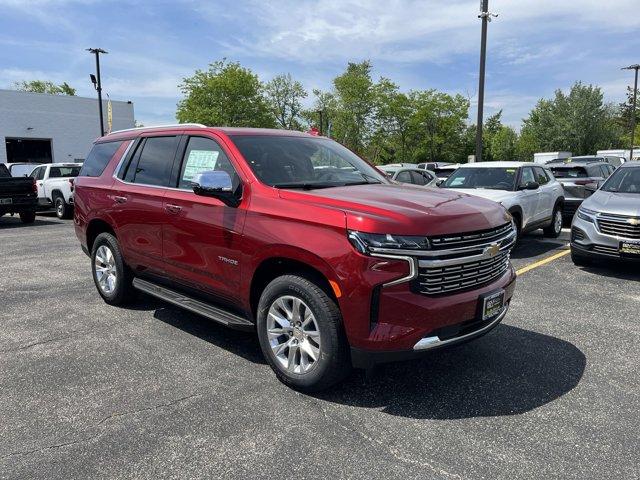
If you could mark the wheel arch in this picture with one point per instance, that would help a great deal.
(94, 228)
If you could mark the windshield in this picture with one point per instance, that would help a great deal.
(303, 162)
(623, 180)
(64, 172)
(493, 178)
(576, 172)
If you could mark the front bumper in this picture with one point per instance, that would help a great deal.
(588, 241)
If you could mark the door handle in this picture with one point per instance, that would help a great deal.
(173, 208)
(120, 199)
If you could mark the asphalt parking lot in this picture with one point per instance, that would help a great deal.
(93, 391)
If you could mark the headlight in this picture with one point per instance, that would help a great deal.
(586, 214)
(368, 242)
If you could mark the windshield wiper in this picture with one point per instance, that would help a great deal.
(305, 185)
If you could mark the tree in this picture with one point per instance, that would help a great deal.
(579, 122)
(226, 95)
(45, 86)
(625, 116)
(503, 144)
(284, 96)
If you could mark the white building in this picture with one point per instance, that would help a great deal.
(43, 128)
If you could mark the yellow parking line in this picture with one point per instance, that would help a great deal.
(544, 261)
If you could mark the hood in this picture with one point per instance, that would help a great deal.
(495, 195)
(405, 209)
(616, 203)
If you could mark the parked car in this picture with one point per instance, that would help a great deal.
(415, 176)
(615, 161)
(548, 157)
(433, 165)
(528, 191)
(607, 224)
(443, 171)
(333, 267)
(17, 195)
(55, 185)
(20, 169)
(574, 177)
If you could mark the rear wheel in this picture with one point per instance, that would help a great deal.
(555, 228)
(63, 209)
(112, 277)
(301, 335)
(28, 217)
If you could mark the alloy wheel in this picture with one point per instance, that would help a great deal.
(557, 222)
(106, 270)
(293, 334)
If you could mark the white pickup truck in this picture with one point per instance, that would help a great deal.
(54, 182)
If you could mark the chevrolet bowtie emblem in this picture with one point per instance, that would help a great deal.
(634, 221)
(492, 250)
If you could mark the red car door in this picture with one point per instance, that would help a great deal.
(201, 236)
(137, 195)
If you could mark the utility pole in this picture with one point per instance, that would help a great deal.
(485, 16)
(635, 67)
(97, 84)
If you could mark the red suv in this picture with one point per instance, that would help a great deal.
(294, 236)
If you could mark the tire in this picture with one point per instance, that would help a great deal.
(27, 217)
(63, 209)
(580, 260)
(555, 229)
(112, 277)
(323, 335)
(518, 222)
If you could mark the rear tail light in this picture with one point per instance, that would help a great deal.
(71, 186)
(34, 187)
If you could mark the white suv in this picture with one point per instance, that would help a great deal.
(528, 191)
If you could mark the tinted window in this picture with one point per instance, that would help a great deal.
(575, 172)
(605, 170)
(594, 171)
(417, 178)
(204, 154)
(527, 176)
(152, 163)
(98, 158)
(541, 176)
(38, 173)
(404, 177)
(64, 172)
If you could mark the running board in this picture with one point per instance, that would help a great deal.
(194, 305)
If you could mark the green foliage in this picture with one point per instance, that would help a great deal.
(225, 95)
(579, 122)
(45, 86)
(284, 96)
(503, 144)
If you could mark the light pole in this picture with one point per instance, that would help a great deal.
(485, 16)
(97, 84)
(633, 111)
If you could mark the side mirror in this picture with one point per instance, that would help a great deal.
(439, 183)
(530, 186)
(216, 184)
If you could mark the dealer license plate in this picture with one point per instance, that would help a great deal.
(5, 201)
(492, 304)
(629, 248)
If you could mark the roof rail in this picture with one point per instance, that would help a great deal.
(199, 125)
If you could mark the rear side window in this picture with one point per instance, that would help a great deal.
(98, 158)
(541, 176)
(404, 177)
(152, 162)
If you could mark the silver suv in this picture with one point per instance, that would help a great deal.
(607, 224)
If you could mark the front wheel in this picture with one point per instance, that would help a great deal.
(555, 228)
(112, 277)
(301, 335)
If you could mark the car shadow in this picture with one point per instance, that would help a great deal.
(508, 372)
(532, 245)
(15, 222)
(243, 344)
(614, 269)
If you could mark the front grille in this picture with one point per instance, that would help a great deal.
(469, 239)
(606, 250)
(577, 234)
(619, 226)
(462, 276)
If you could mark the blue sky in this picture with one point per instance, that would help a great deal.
(535, 46)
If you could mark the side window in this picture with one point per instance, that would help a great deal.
(594, 171)
(605, 170)
(152, 165)
(98, 158)
(527, 176)
(541, 176)
(417, 178)
(41, 172)
(404, 177)
(204, 154)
